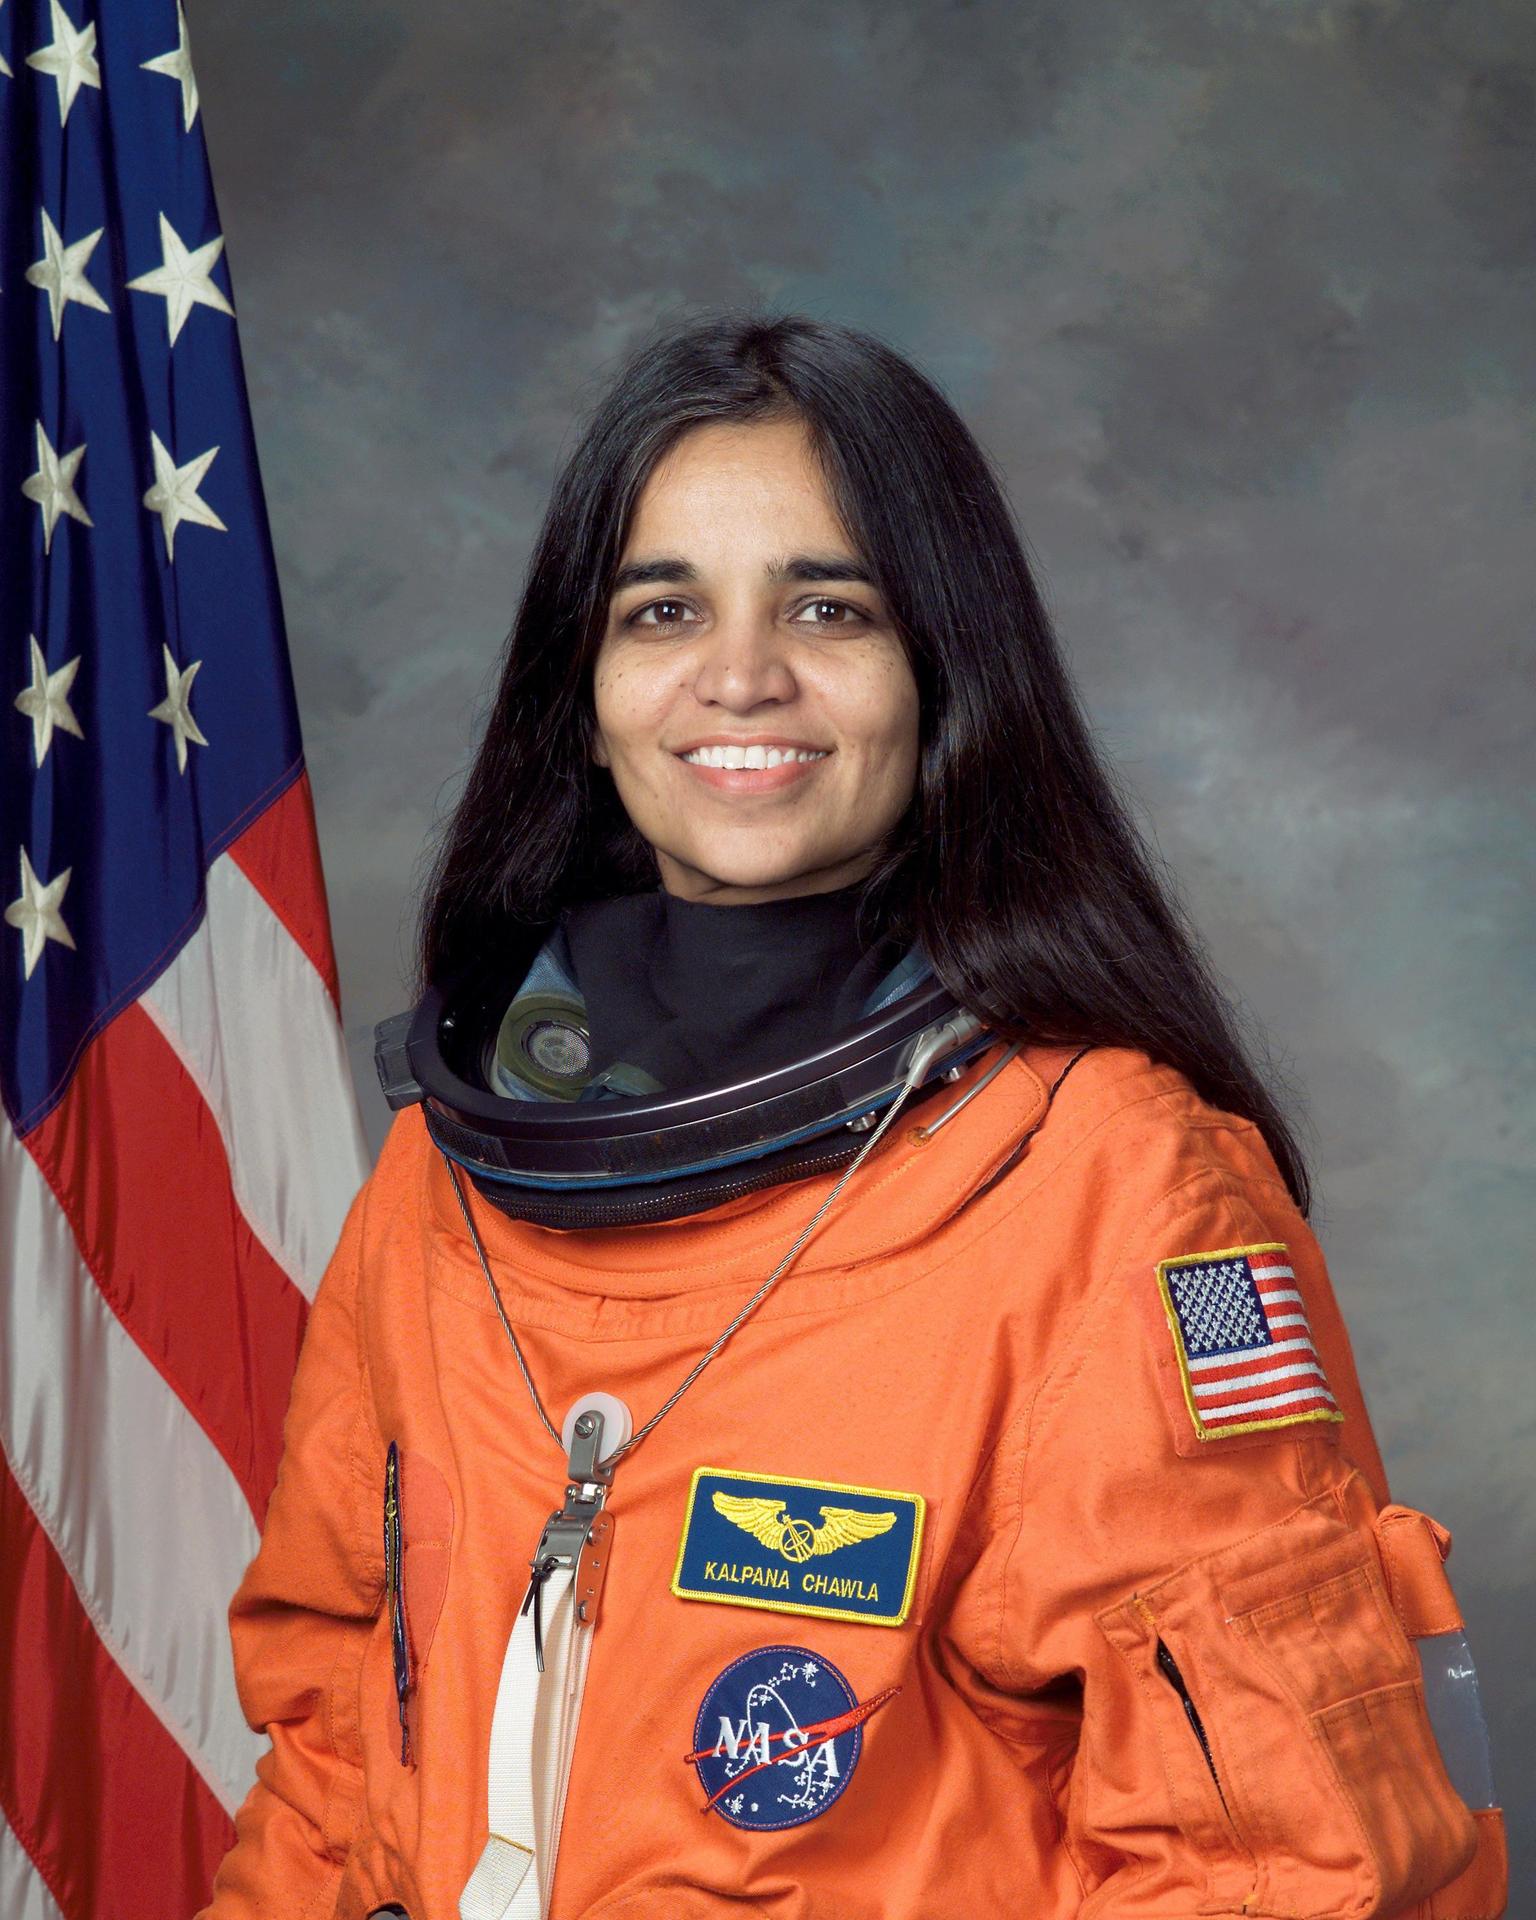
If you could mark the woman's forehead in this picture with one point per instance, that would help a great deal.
(731, 476)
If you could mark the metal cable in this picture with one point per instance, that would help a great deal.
(611, 1459)
(474, 1234)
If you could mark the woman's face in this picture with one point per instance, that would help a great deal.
(754, 703)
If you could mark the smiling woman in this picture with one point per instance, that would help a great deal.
(1007, 1533)
(731, 464)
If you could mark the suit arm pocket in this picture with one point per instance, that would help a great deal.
(1298, 1753)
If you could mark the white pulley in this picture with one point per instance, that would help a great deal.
(618, 1424)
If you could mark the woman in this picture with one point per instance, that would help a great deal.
(995, 1522)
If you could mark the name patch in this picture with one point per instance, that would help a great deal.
(800, 1546)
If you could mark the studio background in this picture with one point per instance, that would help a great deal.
(1239, 298)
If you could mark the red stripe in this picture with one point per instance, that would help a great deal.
(280, 855)
(1211, 1416)
(813, 1735)
(115, 1818)
(136, 1162)
(1249, 1381)
(1245, 1390)
(1260, 1362)
(1261, 1403)
(1247, 1373)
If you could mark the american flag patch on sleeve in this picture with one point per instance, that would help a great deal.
(1240, 1334)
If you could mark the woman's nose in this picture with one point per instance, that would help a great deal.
(743, 663)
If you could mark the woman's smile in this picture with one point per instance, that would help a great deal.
(762, 765)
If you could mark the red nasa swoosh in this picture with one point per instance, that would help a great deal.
(818, 1730)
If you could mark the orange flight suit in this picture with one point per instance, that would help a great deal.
(1012, 1360)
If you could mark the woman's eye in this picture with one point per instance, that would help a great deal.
(669, 612)
(819, 607)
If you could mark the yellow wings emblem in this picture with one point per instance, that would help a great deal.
(797, 1539)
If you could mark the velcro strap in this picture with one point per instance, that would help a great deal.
(1413, 1551)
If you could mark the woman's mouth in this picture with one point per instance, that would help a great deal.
(761, 766)
(756, 758)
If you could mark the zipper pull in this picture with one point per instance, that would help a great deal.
(1171, 1673)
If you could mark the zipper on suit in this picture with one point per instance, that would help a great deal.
(1170, 1670)
(394, 1588)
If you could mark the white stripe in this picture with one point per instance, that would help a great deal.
(148, 1520)
(1299, 1345)
(1271, 1400)
(1288, 1320)
(22, 1893)
(250, 1020)
(1213, 1387)
(1271, 1273)
(1267, 1294)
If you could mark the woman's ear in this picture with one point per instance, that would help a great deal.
(599, 750)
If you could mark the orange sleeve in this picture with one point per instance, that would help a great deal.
(1204, 1545)
(301, 1618)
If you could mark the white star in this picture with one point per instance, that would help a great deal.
(3, 67)
(178, 64)
(70, 58)
(174, 495)
(183, 277)
(174, 709)
(37, 914)
(46, 702)
(61, 272)
(53, 485)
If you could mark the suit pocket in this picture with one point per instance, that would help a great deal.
(1338, 1648)
(1290, 1715)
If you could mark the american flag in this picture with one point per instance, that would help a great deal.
(180, 1139)
(1244, 1346)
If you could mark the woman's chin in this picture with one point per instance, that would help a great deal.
(725, 878)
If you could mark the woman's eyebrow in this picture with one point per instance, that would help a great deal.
(668, 570)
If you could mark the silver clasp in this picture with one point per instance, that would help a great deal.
(565, 1532)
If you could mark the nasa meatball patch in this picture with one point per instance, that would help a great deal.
(1241, 1341)
(777, 1738)
(800, 1546)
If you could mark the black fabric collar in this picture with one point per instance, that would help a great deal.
(694, 993)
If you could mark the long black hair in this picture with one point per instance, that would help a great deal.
(1017, 864)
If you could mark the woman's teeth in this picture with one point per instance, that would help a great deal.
(752, 757)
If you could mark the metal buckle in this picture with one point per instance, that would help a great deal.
(566, 1531)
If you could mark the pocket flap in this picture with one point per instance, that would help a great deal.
(426, 1523)
(1413, 1552)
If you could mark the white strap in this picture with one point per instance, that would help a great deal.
(533, 1734)
(574, 1667)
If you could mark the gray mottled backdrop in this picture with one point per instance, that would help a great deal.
(1240, 296)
